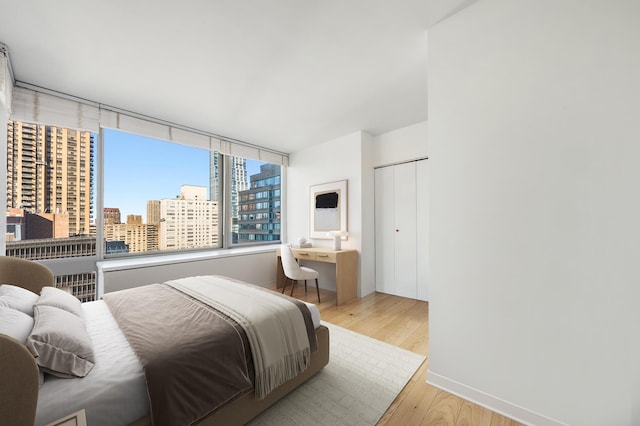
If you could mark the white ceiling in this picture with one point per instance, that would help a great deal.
(283, 74)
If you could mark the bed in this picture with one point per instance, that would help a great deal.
(116, 389)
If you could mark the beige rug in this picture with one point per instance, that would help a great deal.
(360, 382)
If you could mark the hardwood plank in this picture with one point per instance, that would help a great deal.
(444, 410)
(404, 323)
(500, 420)
(473, 415)
(413, 407)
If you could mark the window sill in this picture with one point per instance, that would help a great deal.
(121, 264)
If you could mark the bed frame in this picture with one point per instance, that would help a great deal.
(19, 371)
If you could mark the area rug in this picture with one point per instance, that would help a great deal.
(360, 382)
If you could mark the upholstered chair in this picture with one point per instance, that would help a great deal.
(294, 272)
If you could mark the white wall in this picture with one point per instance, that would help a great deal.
(406, 143)
(534, 145)
(351, 157)
(367, 190)
(338, 159)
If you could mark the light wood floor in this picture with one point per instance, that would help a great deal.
(404, 322)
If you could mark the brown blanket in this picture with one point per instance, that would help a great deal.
(195, 358)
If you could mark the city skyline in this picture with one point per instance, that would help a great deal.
(153, 170)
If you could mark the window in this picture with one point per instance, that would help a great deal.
(173, 198)
(159, 196)
(259, 221)
(164, 188)
(50, 202)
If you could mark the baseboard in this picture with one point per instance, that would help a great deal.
(491, 402)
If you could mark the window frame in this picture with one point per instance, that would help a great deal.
(33, 104)
(225, 219)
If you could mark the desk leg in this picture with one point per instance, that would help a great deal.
(346, 277)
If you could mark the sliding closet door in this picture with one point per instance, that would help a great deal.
(404, 206)
(384, 230)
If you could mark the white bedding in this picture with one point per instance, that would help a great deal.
(117, 380)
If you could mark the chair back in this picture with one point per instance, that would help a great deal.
(289, 265)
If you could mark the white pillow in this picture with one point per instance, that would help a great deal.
(51, 296)
(18, 298)
(60, 343)
(15, 324)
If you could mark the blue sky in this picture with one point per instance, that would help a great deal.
(137, 169)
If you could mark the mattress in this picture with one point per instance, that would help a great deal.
(116, 380)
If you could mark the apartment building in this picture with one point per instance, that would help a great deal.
(137, 236)
(189, 221)
(50, 170)
(112, 215)
(259, 206)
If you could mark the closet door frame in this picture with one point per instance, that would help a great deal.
(401, 228)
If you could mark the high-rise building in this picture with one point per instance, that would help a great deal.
(189, 221)
(50, 170)
(137, 236)
(112, 215)
(153, 212)
(239, 183)
(153, 218)
(260, 206)
(215, 178)
(49, 198)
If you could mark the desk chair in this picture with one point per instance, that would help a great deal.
(294, 272)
